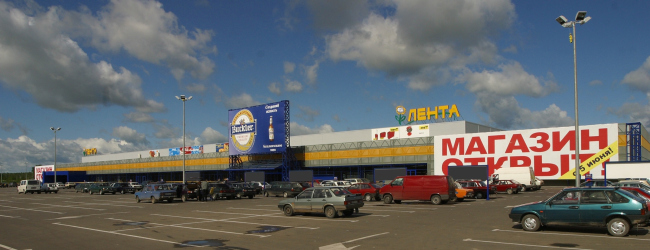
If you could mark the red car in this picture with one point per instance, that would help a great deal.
(480, 190)
(369, 191)
(507, 186)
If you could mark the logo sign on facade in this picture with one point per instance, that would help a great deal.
(551, 151)
(38, 171)
(400, 132)
(189, 150)
(90, 151)
(257, 129)
(444, 112)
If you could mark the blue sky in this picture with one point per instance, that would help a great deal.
(105, 71)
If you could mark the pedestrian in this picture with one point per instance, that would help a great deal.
(204, 188)
(200, 192)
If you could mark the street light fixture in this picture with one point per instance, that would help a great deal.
(581, 18)
(55, 129)
(182, 98)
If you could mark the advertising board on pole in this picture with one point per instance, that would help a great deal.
(258, 129)
(550, 151)
(38, 171)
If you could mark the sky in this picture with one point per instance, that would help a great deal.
(107, 72)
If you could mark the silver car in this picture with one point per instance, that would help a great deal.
(333, 201)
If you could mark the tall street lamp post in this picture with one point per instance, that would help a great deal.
(182, 98)
(581, 18)
(55, 129)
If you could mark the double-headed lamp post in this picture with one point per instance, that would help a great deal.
(55, 129)
(581, 18)
(182, 98)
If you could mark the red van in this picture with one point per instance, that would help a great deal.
(436, 188)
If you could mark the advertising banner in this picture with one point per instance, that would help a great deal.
(38, 171)
(550, 151)
(222, 147)
(402, 132)
(258, 129)
(189, 150)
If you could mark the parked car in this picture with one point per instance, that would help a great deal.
(60, 185)
(101, 188)
(615, 208)
(639, 191)
(123, 187)
(50, 188)
(336, 184)
(597, 183)
(70, 185)
(284, 188)
(333, 201)
(539, 183)
(135, 185)
(638, 184)
(462, 193)
(480, 189)
(243, 190)
(29, 186)
(156, 193)
(368, 191)
(356, 180)
(438, 189)
(82, 187)
(193, 190)
(220, 191)
(507, 186)
(257, 186)
(524, 175)
(181, 191)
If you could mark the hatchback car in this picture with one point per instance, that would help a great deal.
(615, 208)
(368, 191)
(507, 186)
(333, 201)
(220, 190)
(284, 188)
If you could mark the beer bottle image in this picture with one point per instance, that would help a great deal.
(271, 136)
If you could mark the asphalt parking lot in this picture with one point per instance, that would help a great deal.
(70, 220)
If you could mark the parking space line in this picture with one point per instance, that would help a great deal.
(134, 236)
(288, 217)
(102, 204)
(569, 234)
(239, 222)
(518, 244)
(7, 216)
(51, 205)
(255, 209)
(369, 236)
(202, 229)
(397, 211)
(6, 247)
(33, 210)
(80, 216)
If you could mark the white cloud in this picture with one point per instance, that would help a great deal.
(196, 88)
(297, 129)
(292, 86)
(307, 113)
(130, 135)
(36, 56)
(289, 67)
(273, 87)
(596, 82)
(505, 112)
(138, 117)
(241, 101)
(511, 80)
(639, 78)
(210, 135)
(312, 73)
(511, 49)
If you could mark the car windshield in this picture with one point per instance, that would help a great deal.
(340, 191)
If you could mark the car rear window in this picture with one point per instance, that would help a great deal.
(340, 191)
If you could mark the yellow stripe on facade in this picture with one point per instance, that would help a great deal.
(365, 153)
(158, 164)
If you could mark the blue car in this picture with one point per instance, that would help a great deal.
(612, 207)
(156, 193)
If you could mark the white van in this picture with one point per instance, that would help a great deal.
(523, 175)
(29, 186)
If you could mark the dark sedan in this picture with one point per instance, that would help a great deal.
(613, 207)
(101, 188)
(123, 188)
(243, 190)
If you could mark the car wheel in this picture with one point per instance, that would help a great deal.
(285, 195)
(101, 192)
(137, 199)
(453, 198)
(90, 192)
(153, 200)
(436, 200)
(183, 198)
(122, 192)
(531, 222)
(367, 197)
(460, 199)
(266, 194)
(479, 195)
(388, 199)
(288, 210)
(509, 191)
(523, 188)
(618, 227)
(330, 212)
(56, 192)
(238, 196)
(214, 197)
